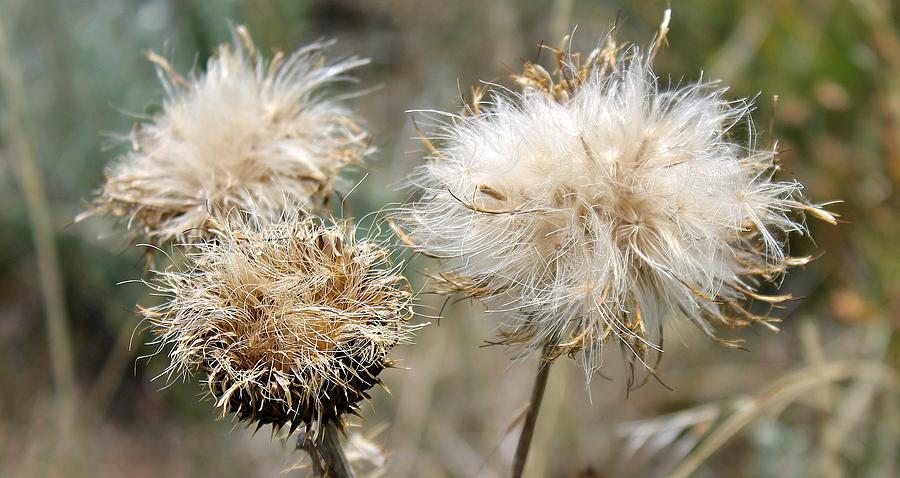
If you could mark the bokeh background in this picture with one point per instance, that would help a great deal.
(818, 399)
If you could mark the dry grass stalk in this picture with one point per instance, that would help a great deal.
(19, 147)
(781, 393)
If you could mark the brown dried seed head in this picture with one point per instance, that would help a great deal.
(290, 322)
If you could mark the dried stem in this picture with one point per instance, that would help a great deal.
(326, 455)
(534, 406)
(305, 443)
(104, 387)
(22, 155)
(333, 454)
(779, 394)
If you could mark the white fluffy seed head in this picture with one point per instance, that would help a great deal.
(246, 132)
(595, 204)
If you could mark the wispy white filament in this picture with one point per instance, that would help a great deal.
(599, 215)
(246, 132)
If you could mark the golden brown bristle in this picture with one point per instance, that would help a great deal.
(290, 321)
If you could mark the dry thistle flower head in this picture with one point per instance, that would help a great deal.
(594, 204)
(247, 131)
(290, 321)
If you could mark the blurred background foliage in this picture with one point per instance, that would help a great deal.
(819, 399)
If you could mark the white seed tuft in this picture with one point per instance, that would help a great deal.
(246, 132)
(595, 206)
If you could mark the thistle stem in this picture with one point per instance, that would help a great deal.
(304, 443)
(333, 454)
(327, 455)
(534, 406)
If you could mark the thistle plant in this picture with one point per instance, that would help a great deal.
(594, 205)
(289, 322)
(287, 317)
(248, 132)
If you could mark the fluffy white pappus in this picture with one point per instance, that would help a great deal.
(595, 209)
(247, 131)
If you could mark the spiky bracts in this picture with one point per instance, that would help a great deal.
(246, 133)
(594, 205)
(290, 322)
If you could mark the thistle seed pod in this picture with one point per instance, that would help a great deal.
(290, 322)
(594, 205)
(247, 131)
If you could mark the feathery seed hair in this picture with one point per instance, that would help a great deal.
(593, 204)
(247, 131)
(290, 321)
